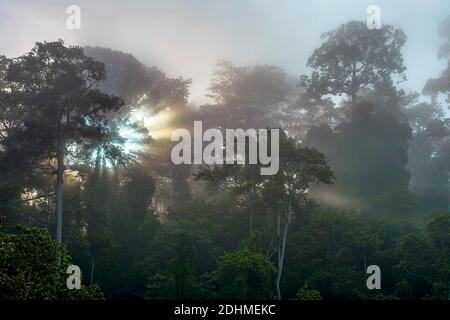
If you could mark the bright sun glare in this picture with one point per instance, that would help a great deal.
(133, 139)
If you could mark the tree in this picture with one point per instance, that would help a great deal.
(423, 261)
(138, 84)
(369, 154)
(149, 93)
(352, 58)
(11, 113)
(430, 146)
(245, 97)
(307, 293)
(244, 182)
(245, 273)
(336, 249)
(29, 267)
(300, 167)
(441, 85)
(439, 234)
(57, 87)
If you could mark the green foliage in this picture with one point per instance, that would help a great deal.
(245, 274)
(424, 261)
(145, 230)
(33, 266)
(307, 293)
(67, 78)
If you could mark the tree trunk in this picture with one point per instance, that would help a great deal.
(365, 262)
(282, 251)
(59, 191)
(92, 271)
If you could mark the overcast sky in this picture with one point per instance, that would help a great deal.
(187, 37)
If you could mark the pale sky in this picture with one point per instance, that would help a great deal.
(187, 37)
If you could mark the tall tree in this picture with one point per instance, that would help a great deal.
(57, 86)
(244, 183)
(300, 167)
(441, 84)
(352, 58)
(365, 170)
(245, 97)
(430, 149)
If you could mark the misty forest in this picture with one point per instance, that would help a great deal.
(86, 176)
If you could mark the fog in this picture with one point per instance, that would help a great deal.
(186, 38)
(123, 175)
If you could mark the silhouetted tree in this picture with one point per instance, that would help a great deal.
(57, 88)
(352, 58)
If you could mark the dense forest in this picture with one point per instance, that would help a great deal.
(86, 177)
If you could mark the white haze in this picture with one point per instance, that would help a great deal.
(186, 38)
